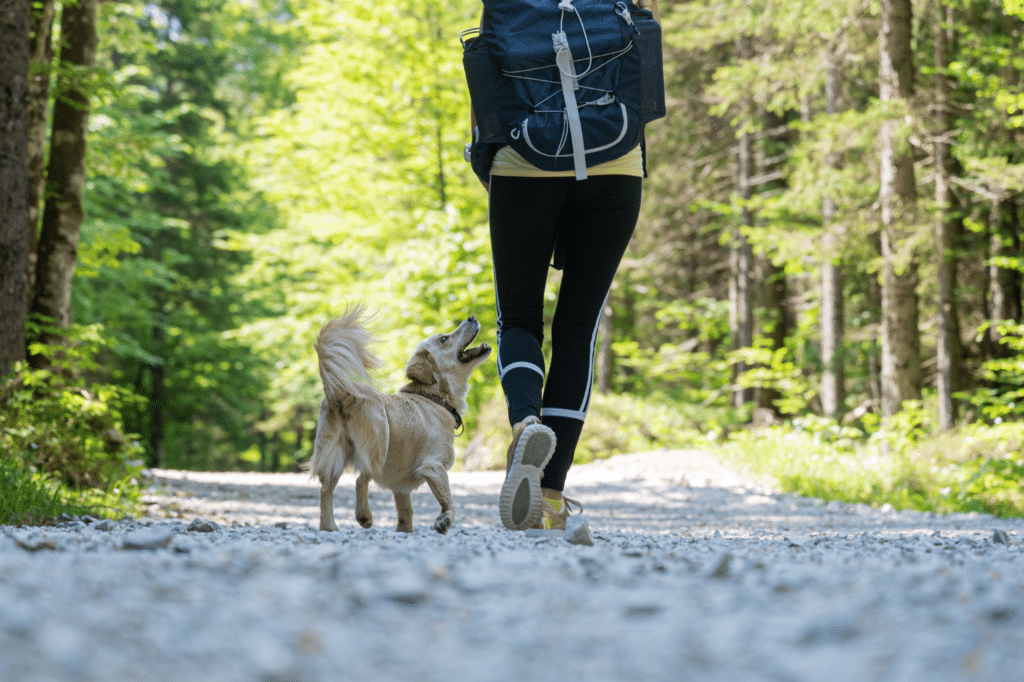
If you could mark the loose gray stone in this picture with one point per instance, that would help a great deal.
(203, 526)
(577, 531)
(105, 524)
(721, 569)
(31, 542)
(1000, 537)
(643, 610)
(149, 538)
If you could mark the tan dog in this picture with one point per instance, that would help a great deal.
(399, 440)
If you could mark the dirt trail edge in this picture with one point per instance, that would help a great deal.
(696, 573)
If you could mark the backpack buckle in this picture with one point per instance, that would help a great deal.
(623, 11)
(561, 42)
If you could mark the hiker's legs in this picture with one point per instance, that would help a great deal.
(523, 224)
(603, 212)
(593, 221)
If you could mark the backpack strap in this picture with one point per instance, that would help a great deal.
(567, 73)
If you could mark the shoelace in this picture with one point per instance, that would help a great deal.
(558, 516)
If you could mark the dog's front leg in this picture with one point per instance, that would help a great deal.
(403, 505)
(363, 514)
(327, 486)
(437, 478)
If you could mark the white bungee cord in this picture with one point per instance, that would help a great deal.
(567, 6)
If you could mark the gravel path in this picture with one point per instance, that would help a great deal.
(695, 573)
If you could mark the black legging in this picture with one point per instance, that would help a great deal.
(592, 221)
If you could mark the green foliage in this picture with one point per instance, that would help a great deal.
(33, 498)
(376, 204)
(28, 498)
(902, 464)
(616, 424)
(774, 370)
(184, 79)
(62, 439)
(58, 424)
(1002, 396)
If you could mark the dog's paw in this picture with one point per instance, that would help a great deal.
(444, 522)
(328, 525)
(404, 527)
(365, 521)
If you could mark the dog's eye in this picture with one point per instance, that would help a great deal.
(444, 339)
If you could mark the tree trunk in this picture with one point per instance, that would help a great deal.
(1004, 283)
(832, 318)
(901, 353)
(741, 302)
(771, 292)
(157, 404)
(65, 177)
(832, 321)
(874, 292)
(604, 351)
(41, 42)
(947, 340)
(741, 255)
(772, 300)
(15, 235)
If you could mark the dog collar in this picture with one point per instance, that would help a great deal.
(443, 403)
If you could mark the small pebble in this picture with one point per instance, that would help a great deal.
(203, 526)
(577, 531)
(149, 538)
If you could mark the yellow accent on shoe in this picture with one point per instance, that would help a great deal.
(552, 513)
(557, 511)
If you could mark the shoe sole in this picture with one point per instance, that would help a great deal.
(521, 505)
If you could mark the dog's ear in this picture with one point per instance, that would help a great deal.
(422, 367)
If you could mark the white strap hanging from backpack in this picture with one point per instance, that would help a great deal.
(570, 84)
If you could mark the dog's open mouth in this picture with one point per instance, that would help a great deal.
(470, 354)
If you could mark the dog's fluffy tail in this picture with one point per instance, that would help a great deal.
(345, 358)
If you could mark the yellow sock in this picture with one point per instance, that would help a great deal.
(557, 504)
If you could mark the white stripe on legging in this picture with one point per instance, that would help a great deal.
(502, 371)
(559, 412)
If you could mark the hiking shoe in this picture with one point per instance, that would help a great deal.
(516, 431)
(554, 518)
(521, 505)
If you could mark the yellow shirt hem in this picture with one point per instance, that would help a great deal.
(508, 162)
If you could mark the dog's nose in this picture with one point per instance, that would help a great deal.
(471, 318)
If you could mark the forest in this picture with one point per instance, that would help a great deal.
(830, 247)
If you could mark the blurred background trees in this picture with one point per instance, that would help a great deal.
(832, 225)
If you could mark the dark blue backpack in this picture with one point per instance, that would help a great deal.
(567, 84)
